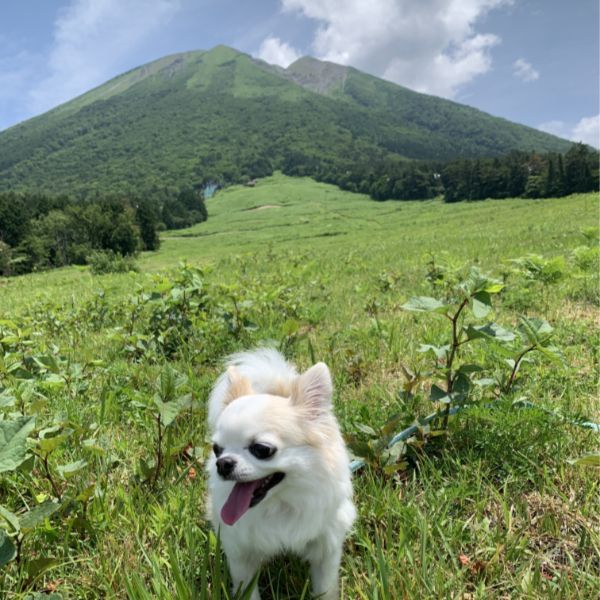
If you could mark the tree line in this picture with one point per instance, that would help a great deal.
(515, 175)
(39, 231)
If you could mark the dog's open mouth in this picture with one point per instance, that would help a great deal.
(247, 494)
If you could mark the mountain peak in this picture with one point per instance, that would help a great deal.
(222, 51)
(317, 75)
(220, 114)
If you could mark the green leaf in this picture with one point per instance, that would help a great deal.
(67, 471)
(489, 331)
(437, 394)
(469, 368)
(39, 565)
(366, 429)
(551, 352)
(11, 519)
(13, 448)
(50, 444)
(7, 400)
(494, 287)
(481, 304)
(535, 331)
(587, 460)
(440, 352)
(146, 468)
(391, 425)
(8, 550)
(461, 387)
(38, 514)
(426, 304)
(168, 411)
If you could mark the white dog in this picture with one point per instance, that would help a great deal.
(279, 478)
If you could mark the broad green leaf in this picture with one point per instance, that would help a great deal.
(38, 514)
(534, 331)
(469, 368)
(489, 331)
(8, 550)
(366, 429)
(395, 467)
(494, 287)
(481, 304)
(92, 446)
(391, 425)
(71, 469)
(587, 460)
(437, 394)
(461, 386)
(39, 565)
(478, 281)
(87, 493)
(7, 400)
(50, 444)
(440, 352)
(551, 352)
(13, 448)
(168, 411)
(11, 519)
(47, 362)
(425, 304)
(146, 468)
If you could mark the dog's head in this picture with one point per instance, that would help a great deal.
(265, 442)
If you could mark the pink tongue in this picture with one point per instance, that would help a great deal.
(239, 501)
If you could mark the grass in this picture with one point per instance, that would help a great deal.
(495, 510)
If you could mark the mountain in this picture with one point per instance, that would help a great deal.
(223, 115)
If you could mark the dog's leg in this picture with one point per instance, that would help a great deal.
(324, 556)
(243, 568)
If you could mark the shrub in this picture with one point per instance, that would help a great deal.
(108, 261)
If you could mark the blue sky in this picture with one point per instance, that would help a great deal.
(530, 61)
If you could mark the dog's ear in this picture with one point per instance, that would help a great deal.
(238, 386)
(312, 391)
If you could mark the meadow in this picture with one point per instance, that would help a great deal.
(106, 377)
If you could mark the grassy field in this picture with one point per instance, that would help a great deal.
(492, 509)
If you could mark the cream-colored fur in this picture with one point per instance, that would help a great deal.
(262, 399)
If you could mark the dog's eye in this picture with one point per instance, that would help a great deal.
(217, 450)
(262, 451)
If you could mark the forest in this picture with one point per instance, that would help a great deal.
(515, 175)
(39, 231)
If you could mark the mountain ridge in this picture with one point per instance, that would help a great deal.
(223, 115)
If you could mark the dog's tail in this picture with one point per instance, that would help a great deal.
(263, 371)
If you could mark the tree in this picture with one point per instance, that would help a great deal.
(147, 221)
(578, 175)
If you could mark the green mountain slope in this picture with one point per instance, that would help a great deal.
(221, 114)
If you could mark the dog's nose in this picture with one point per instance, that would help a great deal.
(225, 466)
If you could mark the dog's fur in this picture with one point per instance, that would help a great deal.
(261, 399)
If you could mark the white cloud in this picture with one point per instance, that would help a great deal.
(276, 52)
(92, 39)
(524, 70)
(586, 130)
(555, 127)
(430, 45)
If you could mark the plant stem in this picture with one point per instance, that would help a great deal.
(49, 477)
(158, 450)
(453, 349)
(515, 369)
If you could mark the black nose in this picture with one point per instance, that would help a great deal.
(225, 466)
